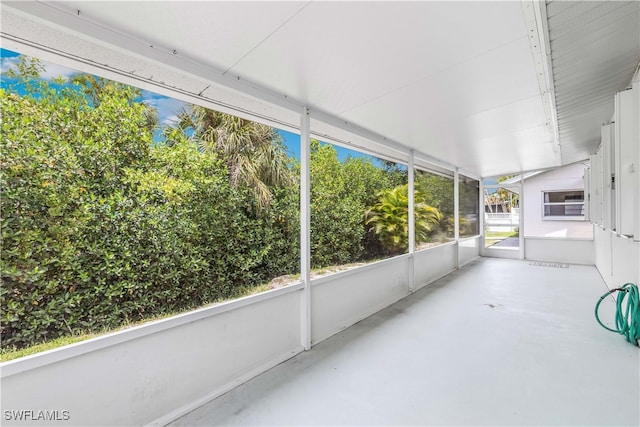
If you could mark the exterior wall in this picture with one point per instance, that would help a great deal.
(570, 177)
(570, 251)
(617, 228)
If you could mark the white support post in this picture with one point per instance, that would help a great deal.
(411, 221)
(605, 137)
(305, 229)
(456, 214)
(481, 216)
(636, 136)
(521, 241)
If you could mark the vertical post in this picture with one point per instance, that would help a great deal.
(305, 229)
(411, 220)
(456, 215)
(636, 160)
(481, 216)
(521, 241)
(605, 132)
(617, 170)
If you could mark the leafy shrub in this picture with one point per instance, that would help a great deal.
(341, 192)
(388, 218)
(100, 225)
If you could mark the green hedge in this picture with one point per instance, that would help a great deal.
(101, 226)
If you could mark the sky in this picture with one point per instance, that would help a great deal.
(167, 108)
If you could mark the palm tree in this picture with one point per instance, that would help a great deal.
(253, 152)
(389, 218)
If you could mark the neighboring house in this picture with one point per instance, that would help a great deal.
(554, 203)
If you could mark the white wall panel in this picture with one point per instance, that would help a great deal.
(602, 251)
(160, 371)
(599, 176)
(468, 250)
(636, 100)
(571, 251)
(433, 263)
(625, 257)
(607, 170)
(626, 138)
(596, 190)
(342, 299)
(617, 258)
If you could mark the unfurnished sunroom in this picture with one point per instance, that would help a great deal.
(465, 97)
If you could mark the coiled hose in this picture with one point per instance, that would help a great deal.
(627, 318)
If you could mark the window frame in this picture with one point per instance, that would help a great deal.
(464, 180)
(443, 173)
(544, 204)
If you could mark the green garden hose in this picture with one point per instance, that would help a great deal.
(627, 323)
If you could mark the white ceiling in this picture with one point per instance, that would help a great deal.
(462, 82)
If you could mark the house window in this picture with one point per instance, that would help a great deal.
(563, 205)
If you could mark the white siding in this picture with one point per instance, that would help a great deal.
(571, 251)
(565, 178)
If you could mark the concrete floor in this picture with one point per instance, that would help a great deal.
(500, 342)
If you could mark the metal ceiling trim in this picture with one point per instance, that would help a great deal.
(618, 78)
(588, 13)
(570, 104)
(535, 15)
(593, 47)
